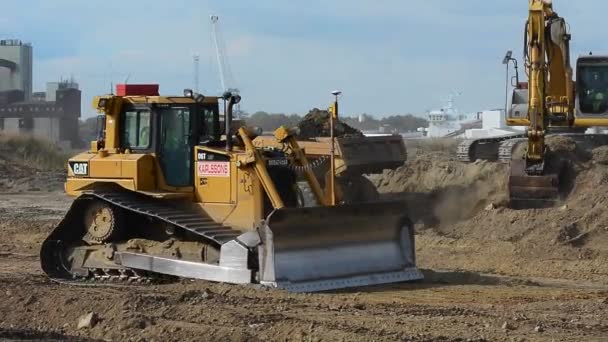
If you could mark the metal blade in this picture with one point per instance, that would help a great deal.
(323, 248)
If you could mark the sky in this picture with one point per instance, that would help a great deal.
(386, 56)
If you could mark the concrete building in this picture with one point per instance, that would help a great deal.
(53, 115)
(56, 120)
(16, 67)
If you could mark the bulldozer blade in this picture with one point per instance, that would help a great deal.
(325, 248)
(531, 191)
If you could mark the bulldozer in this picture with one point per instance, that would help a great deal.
(172, 190)
(550, 103)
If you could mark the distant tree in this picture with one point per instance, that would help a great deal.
(369, 123)
(405, 123)
(88, 129)
(398, 123)
(241, 115)
(270, 122)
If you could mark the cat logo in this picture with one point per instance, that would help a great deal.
(79, 168)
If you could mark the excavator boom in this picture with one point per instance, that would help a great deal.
(534, 181)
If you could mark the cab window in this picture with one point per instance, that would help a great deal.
(210, 130)
(136, 131)
(593, 89)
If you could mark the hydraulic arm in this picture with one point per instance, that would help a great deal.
(550, 105)
(550, 95)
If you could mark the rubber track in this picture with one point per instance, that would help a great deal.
(466, 147)
(69, 230)
(505, 151)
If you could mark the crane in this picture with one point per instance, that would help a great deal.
(226, 78)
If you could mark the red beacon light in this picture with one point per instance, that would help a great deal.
(137, 90)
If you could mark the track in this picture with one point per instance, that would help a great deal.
(507, 147)
(471, 150)
(68, 233)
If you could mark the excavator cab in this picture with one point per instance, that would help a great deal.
(592, 87)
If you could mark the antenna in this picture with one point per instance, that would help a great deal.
(196, 59)
(110, 78)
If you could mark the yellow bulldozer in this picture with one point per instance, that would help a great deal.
(171, 190)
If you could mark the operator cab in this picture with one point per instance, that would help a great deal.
(168, 127)
(592, 86)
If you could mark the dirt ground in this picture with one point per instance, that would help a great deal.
(492, 274)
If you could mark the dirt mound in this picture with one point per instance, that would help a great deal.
(439, 180)
(465, 205)
(316, 124)
(28, 164)
(600, 155)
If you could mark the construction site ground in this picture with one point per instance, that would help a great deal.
(492, 273)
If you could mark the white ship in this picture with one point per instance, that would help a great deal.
(449, 122)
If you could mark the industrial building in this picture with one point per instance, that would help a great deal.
(16, 67)
(53, 114)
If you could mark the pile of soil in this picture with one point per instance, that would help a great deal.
(25, 166)
(316, 124)
(466, 205)
(437, 185)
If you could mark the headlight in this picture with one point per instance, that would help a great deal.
(188, 93)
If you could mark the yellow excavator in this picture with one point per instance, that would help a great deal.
(550, 103)
(170, 189)
(555, 105)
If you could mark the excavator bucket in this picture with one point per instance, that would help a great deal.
(325, 248)
(531, 191)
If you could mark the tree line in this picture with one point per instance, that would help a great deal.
(271, 121)
(393, 124)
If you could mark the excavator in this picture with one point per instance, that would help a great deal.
(172, 190)
(550, 103)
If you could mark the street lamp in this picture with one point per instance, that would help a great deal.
(508, 58)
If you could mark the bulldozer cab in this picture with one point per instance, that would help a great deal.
(171, 131)
(168, 127)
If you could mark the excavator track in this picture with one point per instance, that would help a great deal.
(471, 150)
(507, 147)
(69, 233)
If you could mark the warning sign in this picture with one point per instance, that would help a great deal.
(213, 169)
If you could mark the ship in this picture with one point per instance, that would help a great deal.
(449, 122)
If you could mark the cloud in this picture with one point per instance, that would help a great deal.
(390, 56)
